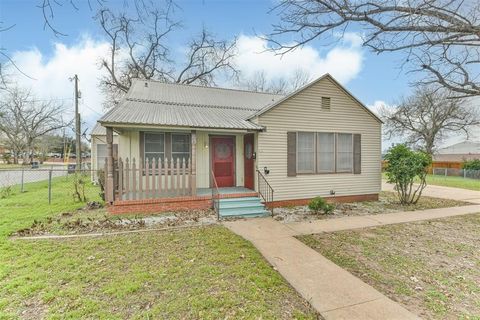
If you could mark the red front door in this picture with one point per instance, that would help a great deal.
(223, 160)
(249, 161)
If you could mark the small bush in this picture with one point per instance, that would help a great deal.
(101, 182)
(319, 204)
(404, 167)
(471, 164)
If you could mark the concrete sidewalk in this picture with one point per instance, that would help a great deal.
(331, 290)
(444, 192)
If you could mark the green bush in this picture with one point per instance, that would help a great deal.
(319, 204)
(471, 164)
(403, 168)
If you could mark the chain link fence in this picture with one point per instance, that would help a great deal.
(453, 172)
(50, 183)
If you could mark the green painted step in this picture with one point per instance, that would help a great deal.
(242, 207)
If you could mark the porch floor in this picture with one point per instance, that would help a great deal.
(201, 192)
(225, 190)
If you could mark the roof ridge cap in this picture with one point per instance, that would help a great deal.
(188, 104)
(207, 87)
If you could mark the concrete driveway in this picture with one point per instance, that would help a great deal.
(444, 192)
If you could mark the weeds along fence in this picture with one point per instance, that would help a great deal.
(454, 172)
(50, 184)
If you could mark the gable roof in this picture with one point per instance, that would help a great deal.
(327, 75)
(151, 102)
(157, 103)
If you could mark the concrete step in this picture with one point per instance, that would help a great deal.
(257, 214)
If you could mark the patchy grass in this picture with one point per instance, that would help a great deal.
(203, 272)
(431, 267)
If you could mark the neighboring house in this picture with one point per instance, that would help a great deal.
(98, 147)
(316, 141)
(459, 152)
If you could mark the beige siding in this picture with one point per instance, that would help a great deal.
(303, 112)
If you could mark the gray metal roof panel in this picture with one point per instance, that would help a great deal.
(148, 113)
(155, 91)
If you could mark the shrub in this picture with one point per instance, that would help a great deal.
(79, 181)
(471, 164)
(5, 192)
(101, 182)
(318, 204)
(404, 167)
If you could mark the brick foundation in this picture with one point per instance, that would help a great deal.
(169, 204)
(303, 202)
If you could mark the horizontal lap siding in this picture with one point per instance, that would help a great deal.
(303, 113)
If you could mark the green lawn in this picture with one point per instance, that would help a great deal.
(455, 182)
(431, 267)
(195, 273)
(449, 181)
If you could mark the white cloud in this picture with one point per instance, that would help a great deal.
(344, 61)
(51, 74)
(378, 105)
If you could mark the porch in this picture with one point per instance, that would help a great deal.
(177, 163)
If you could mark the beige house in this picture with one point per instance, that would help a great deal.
(98, 147)
(180, 146)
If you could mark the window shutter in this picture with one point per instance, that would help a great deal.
(357, 153)
(291, 154)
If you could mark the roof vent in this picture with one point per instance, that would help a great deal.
(146, 84)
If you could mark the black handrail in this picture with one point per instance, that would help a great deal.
(215, 195)
(265, 190)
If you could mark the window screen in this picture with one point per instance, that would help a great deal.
(101, 155)
(154, 144)
(180, 147)
(344, 152)
(305, 152)
(325, 152)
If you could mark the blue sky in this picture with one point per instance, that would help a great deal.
(369, 77)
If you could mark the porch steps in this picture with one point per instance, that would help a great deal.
(248, 207)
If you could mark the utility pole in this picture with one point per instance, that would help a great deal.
(78, 130)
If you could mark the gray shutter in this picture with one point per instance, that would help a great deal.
(357, 153)
(291, 154)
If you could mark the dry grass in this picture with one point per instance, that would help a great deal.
(431, 267)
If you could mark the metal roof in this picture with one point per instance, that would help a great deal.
(157, 103)
(99, 130)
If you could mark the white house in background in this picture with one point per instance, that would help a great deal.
(466, 150)
(180, 145)
(98, 147)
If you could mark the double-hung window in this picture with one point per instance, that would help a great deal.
(166, 145)
(154, 146)
(180, 147)
(344, 152)
(306, 152)
(325, 152)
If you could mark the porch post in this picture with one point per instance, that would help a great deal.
(193, 169)
(109, 192)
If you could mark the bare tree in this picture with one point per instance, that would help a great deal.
(23, 119)
(139, 48)
(427, 117)
(259, 82)
(440, 37)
